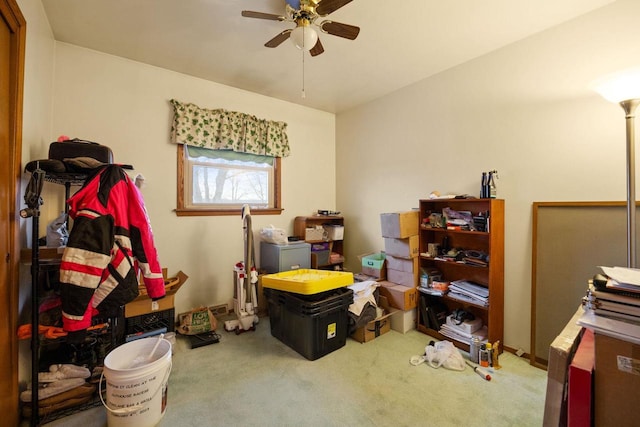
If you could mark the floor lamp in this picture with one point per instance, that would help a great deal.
(624, 88)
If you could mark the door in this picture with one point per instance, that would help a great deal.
(12, 39)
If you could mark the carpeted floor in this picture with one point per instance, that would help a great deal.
(253, 379)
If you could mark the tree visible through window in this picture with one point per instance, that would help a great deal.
(216, 183)
(220, 182)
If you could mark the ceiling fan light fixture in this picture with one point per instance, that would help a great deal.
(304, 37)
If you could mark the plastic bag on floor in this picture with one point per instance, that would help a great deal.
(445, 354)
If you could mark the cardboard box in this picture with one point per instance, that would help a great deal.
(316, 233)
(373, 329)
(144, 305)
(401, 321)
(402, 248)
(400, 297)
(374, 265)
(579, 404)
(466, 326)
(560, 354)
(409, 265)
(403, 278)
(617, 382)
(399, 224)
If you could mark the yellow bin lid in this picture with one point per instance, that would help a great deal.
(307, 281)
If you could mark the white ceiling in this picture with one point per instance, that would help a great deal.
(400, 42)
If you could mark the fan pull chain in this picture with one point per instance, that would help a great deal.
(304, 95)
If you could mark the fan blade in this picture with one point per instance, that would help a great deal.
(329, 6)
(341, 30)
(317, 49)
(261, 15)
(277, 40)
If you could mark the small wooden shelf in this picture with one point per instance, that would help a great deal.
(45, 254)
(301, 223)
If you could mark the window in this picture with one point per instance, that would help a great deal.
(220, 182)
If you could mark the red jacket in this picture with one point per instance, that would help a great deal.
(109, 242)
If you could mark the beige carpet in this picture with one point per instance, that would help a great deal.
(253, 379)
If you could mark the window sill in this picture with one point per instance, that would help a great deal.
(225, 212)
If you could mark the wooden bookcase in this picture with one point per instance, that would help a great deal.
(300, 225)
(490, 242)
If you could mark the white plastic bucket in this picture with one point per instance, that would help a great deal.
(137, 396)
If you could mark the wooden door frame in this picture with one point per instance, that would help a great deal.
(10, 12)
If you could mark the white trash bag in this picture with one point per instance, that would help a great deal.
(274, 235)
(442, 353)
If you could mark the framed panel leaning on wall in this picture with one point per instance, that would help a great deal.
(570, 241)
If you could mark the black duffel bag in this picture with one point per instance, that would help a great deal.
(72, 148)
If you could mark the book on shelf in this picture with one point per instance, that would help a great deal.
(471, 288)
(464, 290)
(475, 262)
(433, 314)
(465, 298)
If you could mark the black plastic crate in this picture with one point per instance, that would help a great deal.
(314, 303)
(313, 325)
(151, 321)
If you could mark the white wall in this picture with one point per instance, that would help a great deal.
(125, 105)
(36, 123)
(525, 110)
(38, 92)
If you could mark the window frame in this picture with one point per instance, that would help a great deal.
(183, 210)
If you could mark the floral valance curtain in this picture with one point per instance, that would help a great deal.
(228, 130)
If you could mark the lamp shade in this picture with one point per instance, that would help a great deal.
(620, 86)
(304, 37)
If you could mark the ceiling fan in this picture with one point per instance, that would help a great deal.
(304, 14)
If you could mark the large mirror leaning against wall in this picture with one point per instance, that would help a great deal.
(570, 241)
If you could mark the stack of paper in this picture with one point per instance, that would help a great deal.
(623, 279)
(464, 290)
(363, 293)
(614, 310)
(615, 328)
(459, 335)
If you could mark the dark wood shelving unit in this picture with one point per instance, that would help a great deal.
(490, 242)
